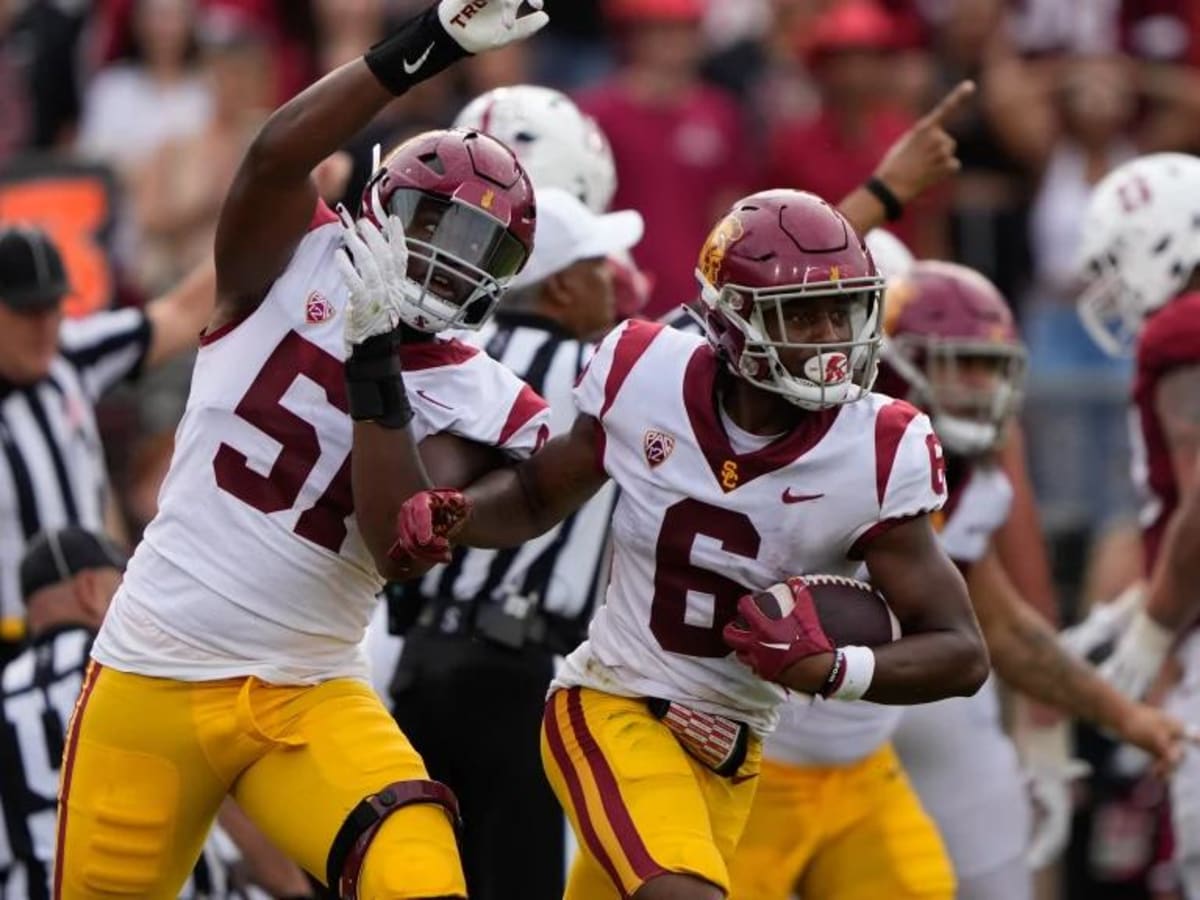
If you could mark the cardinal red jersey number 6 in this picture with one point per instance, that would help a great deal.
(324, 522)
(675, 576)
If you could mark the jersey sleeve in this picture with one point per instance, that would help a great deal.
(1171, 337)
(106, 348)
(610, 365)
(480, 400)
(981, 506)
(910, 471)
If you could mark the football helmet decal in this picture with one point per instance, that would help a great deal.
(792, 299)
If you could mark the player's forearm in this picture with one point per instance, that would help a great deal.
(385, 470)
(1026, 654)
(921, 668)
(1173, 599)
(863, 210)
(314, 124)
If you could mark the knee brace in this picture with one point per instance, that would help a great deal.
(354, 837)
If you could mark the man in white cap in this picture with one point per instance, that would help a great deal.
(480, 658)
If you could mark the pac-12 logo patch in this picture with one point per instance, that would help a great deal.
(657, 445)
(317, 309)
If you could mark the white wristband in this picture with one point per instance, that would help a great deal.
(860, 669)
(1150, 638)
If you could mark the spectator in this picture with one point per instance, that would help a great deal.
(178, 193)
(51, 375)
(682, 151)
(834, 150)
(132, 107)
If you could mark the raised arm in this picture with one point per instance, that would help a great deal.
(273, 196)
(919, 159)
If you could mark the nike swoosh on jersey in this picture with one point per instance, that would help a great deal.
(410, 68)
(425, 396)
(789, 497)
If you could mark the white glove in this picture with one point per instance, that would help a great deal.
(1049, 771)
(1138, 657)
(1104, 623)
(479, 25)
(373, 263)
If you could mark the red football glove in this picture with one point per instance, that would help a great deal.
(769, 646)
(425, 524)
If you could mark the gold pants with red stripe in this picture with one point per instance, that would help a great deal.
(640, 806)
(149, 760)
(854, 832)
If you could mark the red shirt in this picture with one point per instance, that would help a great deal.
(1170, 339)
(676, 164)
(815, 155)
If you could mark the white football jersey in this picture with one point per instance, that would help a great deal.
(699, 524)
(254, 564)
(833, 732)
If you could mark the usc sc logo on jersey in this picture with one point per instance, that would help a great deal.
(657, 445)
(728, 230)
(730, 475)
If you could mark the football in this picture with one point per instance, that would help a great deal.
(851, 611)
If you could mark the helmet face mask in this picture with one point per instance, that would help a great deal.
(792, 299)
(970, 388)
(952, 349)
(774, 322)
(1140, 245)
(467, 210)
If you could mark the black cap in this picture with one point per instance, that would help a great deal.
(32, 276)
(55, 556)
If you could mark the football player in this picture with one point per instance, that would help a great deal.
(230, 660)
(952, 349)
(1139, 254)
(744, 458)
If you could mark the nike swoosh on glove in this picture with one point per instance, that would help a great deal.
(479, 25)
(425, 524)
(769, 646)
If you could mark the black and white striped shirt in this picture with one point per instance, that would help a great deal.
(38, 689)
(52, 468)
(562, 570)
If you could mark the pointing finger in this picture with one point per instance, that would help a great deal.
(949, 104)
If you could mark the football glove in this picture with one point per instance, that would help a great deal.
(1104, 623)
(1138, 657)
(769, 646)
(1049, 772)
(374, 263)
(425, 524)
(479, 25)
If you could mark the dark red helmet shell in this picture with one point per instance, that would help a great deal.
(943, 301)
(780, 238)
(464, 165)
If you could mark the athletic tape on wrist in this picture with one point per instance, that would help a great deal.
(857, 670)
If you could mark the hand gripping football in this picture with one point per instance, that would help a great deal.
(851, 612)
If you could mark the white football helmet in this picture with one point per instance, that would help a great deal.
(559, 145)
(892, 258)
(1140, 244)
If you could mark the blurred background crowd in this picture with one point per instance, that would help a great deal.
(122, 121)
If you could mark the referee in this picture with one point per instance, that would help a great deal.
(470, 687)
(52, 372)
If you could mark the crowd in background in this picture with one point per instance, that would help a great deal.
(122, 122)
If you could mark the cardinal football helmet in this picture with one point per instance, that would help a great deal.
(779, 248)
(1141, 242)
(951, 348)
(467, 209)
